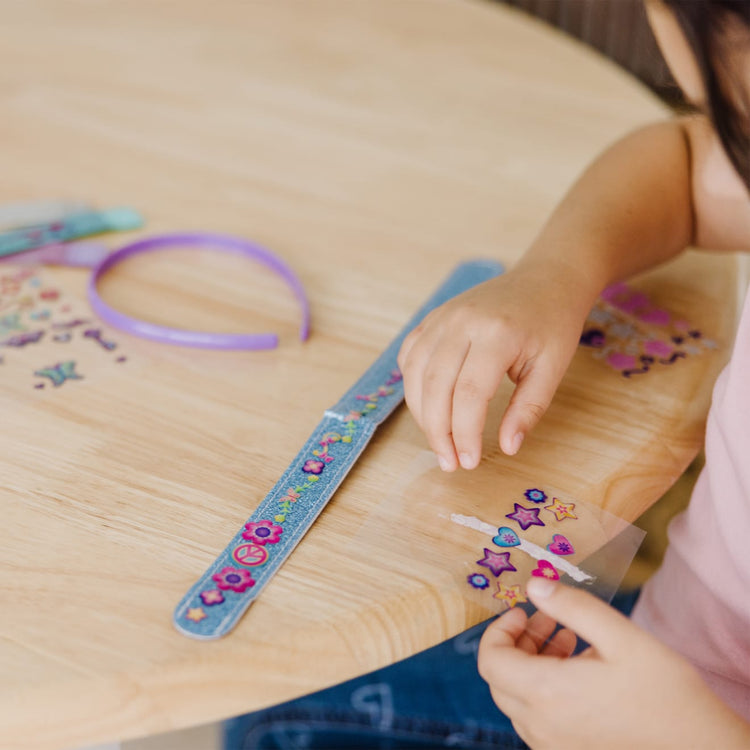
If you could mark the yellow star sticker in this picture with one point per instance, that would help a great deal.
(561, 510)
(196, 614)
(511, 595)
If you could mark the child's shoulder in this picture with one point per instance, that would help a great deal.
(721, 203)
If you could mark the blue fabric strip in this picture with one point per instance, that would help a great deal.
(214, 605)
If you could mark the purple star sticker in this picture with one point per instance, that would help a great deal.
(497, 562)
(525, 516)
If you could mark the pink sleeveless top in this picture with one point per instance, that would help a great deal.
(698, 602)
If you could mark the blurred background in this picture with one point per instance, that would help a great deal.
(616, 28)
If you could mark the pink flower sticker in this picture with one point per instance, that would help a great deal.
(233, 579)
(262, 532)
(312, 466)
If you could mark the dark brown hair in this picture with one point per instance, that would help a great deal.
(714, 29)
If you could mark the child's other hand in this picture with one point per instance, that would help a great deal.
(526, 323)
(628, 690)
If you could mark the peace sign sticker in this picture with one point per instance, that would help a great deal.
(250, 554)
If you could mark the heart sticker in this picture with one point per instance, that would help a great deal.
(560, 545)
(506, 537)
(546, 570)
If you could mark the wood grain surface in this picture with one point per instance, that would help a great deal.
(372, 145)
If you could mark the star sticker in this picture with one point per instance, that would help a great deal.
(196, 614)
(525, 516)
(511, 595)
(497, 562)
(561, 510)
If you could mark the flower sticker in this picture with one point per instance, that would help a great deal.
(262, 532)
(212, 597)
(535, 496)
(311, 466)
(478, 581)
(233, 579)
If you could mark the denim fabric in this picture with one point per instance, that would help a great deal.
(464, 277)
(431, 700)
(208, 612)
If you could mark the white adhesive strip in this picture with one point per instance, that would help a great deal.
(538, 553)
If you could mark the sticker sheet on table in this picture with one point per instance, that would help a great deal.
(633, 335)
(535, 508)
(48, 338)
(489, 534)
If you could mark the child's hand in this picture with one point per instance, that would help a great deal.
(526, 323)
(626, 691)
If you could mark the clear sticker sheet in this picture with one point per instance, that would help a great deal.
(490, 533)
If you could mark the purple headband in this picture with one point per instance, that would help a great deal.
(200, 339)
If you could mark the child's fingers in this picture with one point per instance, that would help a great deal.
(538, 629)
(530, 400)
(610, 632)
(412, 359)
(476, 384)
(407, 344)
(506, 668)
(562, 644)
(510, 704)
(506, 629)
(438, 382)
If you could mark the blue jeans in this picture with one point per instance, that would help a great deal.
(433, 699)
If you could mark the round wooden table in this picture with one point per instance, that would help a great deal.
(373, 146)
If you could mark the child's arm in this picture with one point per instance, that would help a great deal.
(630, 210)
(639, 204)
